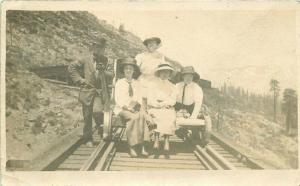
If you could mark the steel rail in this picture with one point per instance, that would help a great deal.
(101, 166)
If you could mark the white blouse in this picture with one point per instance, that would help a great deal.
(148, 62)
(122, 97)
(163, 93)
(193, 93)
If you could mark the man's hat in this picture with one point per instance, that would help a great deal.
(156, 39)
(99, 44)
(189, 70)
(164, 66)
(129, 61)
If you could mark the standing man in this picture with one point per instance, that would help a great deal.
(93, 95)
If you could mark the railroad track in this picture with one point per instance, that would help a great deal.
(80, 157)
(184, 155)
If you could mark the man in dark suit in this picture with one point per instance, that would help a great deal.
(93, 95)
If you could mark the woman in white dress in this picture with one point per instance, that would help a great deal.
(148, 62)
(161, 100)
(128, 107)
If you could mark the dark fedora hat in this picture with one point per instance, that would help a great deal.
(129, 61)
(99, 44)
(189, 70)
(156, 39)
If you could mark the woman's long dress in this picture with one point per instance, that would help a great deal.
(136, 127)
(148, 62)
(163, 94)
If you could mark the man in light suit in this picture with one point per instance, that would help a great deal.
(93, 95)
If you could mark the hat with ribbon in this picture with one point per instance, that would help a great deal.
(164, 66)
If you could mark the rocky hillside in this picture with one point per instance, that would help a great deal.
(38, 112)
(51, 38)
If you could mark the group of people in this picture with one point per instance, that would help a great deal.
(145, 99)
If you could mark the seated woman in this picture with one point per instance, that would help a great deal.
(189, 94)
(128, 107)
(161, 100)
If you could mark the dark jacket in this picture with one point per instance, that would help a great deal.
(91, 84)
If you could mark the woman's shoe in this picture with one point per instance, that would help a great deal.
(167, 154)
(144, 152)
(166, 146)
(156, 153)
(156, 145)
(132, 153)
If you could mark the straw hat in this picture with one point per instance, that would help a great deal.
(164, 66)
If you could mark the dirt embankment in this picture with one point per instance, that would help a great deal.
(264, 139)
(48, 112)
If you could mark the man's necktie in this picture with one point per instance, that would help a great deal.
(130, 90)
(183, 92)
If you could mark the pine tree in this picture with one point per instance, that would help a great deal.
(289, 108)
(274, 84)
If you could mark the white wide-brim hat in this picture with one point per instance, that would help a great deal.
(164, 66)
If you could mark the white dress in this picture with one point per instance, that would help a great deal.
(162, 94)
(148, 62)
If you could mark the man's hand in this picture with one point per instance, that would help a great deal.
(84, 83)
(109, 73)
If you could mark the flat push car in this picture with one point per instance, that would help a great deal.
(196, 129)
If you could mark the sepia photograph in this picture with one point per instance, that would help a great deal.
(151, 90)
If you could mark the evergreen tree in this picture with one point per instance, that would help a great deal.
(274, 84)
(290, 109)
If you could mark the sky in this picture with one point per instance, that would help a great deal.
(241, 48)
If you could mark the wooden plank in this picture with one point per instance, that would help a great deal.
(82, 153)
(122, 168)
(69, 166)
(83, 147)
(156, 165)
(74, 161)
(166, 161)
(231, 158)
(77, 157)
(85, 150)
(176, 154)
(66, 169)
(181, 157)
